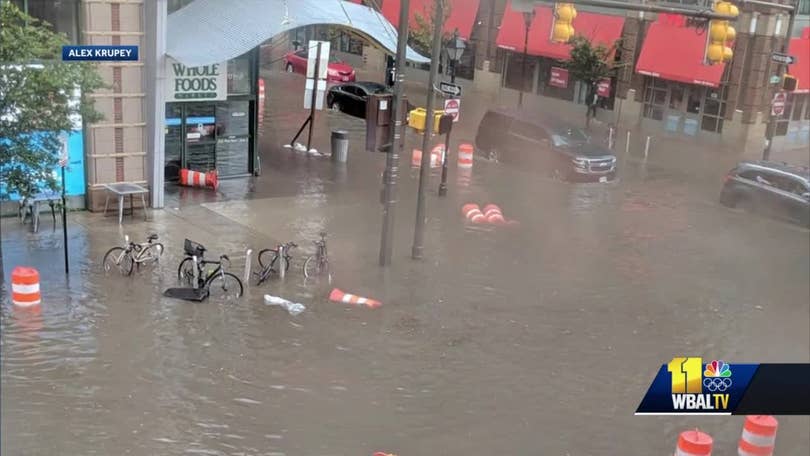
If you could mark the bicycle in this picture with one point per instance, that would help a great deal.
(216, 282)
(269, 257)
(132, 253)
(318, 263)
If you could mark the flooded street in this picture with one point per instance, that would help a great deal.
(540, 338)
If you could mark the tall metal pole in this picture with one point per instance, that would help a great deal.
(392, 157)
(424, 169)
(781, 70)
(527, 18)
(64, 221)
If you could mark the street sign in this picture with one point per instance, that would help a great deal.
(784, 59)
(778, 103)
(453, 90)
(775, 79)
(452, 107)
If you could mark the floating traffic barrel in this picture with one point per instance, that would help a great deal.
(493, 214)
(338, 295)
(758, 436)
(694, 443)
(473, 213)
(191, 178)
(465, 156)
(25, 287)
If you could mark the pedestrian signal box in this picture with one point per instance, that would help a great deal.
(789, 83)
(379, 109)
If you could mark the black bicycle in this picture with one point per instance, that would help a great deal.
(318, 264)
(268, 258)
(215, 280)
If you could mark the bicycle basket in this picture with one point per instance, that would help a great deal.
(192, 248)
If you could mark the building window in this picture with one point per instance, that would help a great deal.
(61, 14)
(655, 98)
(714, 110)
(799, 104)
(239, 76)
(546, 89)
(804, 7)
(513, 75)
(175, 5)
(347, 42)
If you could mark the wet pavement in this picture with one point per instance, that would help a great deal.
(537, 339)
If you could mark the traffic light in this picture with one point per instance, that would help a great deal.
(721, 34)
(789, 83)
(562, 29)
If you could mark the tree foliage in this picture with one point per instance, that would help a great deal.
(37, 101)
(590, 64)
(421, 33)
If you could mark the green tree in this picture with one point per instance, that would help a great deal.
(590, 64)
(421, 33)
(36, 100)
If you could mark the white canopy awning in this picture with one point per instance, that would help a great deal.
(211, 31)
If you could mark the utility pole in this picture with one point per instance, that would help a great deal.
(424, 168)
(781, 70)
(397, 129)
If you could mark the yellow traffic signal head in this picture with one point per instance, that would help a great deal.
(562, 29)
(727, 8)
(714, 53)
(718, 31)
(731, 34)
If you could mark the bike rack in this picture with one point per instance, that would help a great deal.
(248, 253)
(282, 261)
(196, 271)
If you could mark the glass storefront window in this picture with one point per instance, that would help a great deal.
(61, 14)
(676, 98)
(655, 99)
(693, 104)
(239, 76)
(798, 105)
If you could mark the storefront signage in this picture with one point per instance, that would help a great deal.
(603, 88)
(558, 78)
(203, 83)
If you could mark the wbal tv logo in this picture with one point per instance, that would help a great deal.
(699, 389)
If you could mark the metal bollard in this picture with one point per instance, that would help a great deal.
(248, 253)
(647, 148)
(610, 138)
(627, 144)
(196, 271)
(282, 262)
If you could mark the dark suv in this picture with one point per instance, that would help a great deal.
(776, 189)
(552, 145)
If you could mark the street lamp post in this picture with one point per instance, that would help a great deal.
(455, 49)
(528, 17)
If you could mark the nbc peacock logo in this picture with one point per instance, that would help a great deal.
(717, 376)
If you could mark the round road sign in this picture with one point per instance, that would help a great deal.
(452, 107)
(778, 103)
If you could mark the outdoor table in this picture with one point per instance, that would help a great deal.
(33, 204)
(122, 189)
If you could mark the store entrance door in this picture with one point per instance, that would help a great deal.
(207, 136)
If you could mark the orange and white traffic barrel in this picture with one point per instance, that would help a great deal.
(473, 213)
(25, 287)
(191, 178)
(758, 436)
(338, 295)
(694, 443)
(493, 214)
(465, 156)
(435, 158)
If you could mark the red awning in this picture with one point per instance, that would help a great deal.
(676, 53)
(462, 14)
(599, 28)
(800, 48)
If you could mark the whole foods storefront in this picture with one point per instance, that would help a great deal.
(211, 117)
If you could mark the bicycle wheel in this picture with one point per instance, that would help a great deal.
(313, 267)
(225, 286)
(185, 272)
(118, 258)
(267, 257)
(152, 252)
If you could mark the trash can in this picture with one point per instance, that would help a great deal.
(340, 146)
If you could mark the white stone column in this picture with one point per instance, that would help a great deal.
(154, 55)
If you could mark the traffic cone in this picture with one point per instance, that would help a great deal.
(338, 295)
